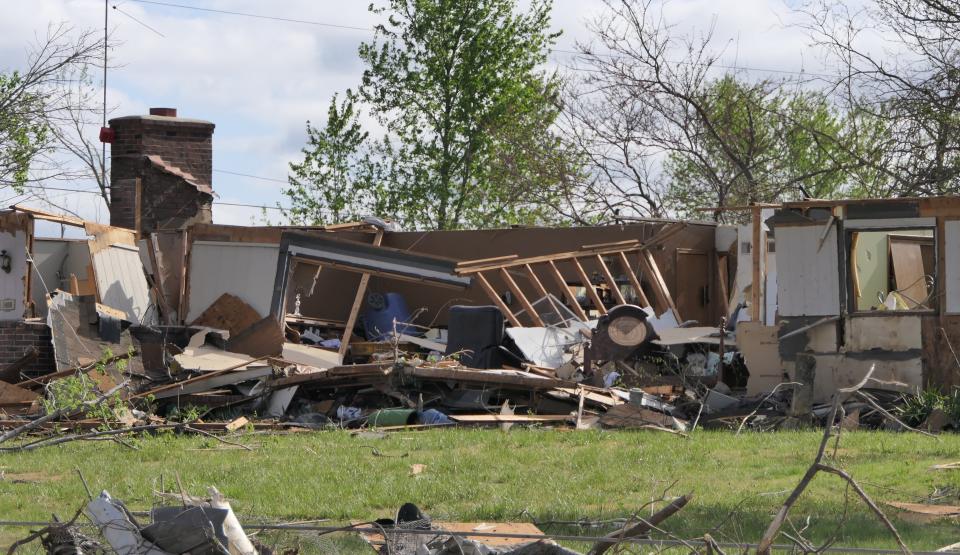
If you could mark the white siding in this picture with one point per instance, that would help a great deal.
(246, 270)
(12, 286)
(808, 279)
(121, 283)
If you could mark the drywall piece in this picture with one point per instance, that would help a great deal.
(545, 347)
(725, 237)
(871, 265)
(951, 274)
(890, 332)
(665, 321)
(310, 356)
(121, 283)
(808, 275)
(759, 346)
(246, 270)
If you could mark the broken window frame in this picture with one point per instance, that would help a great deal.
(894, 229)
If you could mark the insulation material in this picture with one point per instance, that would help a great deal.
(121, 283)
(246, 270)
(808, 272)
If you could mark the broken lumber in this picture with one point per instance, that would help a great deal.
(644, 526)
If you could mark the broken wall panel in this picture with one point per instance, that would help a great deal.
(121, 283)
(808, 273)
(245, 270)
(15, 237)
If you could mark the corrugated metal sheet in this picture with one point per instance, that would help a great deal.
(121, 282)
(808, 279)
(246, 270)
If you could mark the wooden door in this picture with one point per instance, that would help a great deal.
(693, 293)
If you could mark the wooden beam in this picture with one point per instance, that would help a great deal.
(48, 216)
(665, 233)
(756, 251)
(634, 281)
(562, 283)
(357, 303)
(660, 289)
(495, 297)
(591, 290)
(941, 282)
(518, 293)
(611, 281)
(722, 273)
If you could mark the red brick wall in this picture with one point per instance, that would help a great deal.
(17, 337)
(184, 143)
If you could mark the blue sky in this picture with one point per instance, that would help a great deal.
(259, 80)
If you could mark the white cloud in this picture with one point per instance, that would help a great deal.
(260, 80)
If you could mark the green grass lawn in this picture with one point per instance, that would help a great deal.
(489, 475)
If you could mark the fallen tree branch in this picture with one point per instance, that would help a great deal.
(766, 542)
(640, 528)
(34, 424)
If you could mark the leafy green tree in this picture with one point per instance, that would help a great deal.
(765, 143)
(334, 182)
(468, 119)
(23, 130)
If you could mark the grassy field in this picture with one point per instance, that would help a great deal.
(523, 475)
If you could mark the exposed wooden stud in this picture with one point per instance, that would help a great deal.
(611, 282)
(495, 297)
(722, 271)
(137, 208)
(591, 290)
(562, 283)
(660, 290)
(941, 282)
(357, 303)
(518, 293)
(634, 280)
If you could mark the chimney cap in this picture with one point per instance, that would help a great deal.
(168, 112)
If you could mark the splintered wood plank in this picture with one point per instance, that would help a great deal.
(518, 293)
(611, 282)
(562, 283)
(756, 251)
(495, 297)
(634, 281)
(588, 285)
(357, 303)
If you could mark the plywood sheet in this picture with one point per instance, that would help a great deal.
(808, 276)
(907, 260)
(759, 347)
(246, 270)
(692, 287)
(230, 313)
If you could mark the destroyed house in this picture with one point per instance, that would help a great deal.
(652, 321)
(859, 283)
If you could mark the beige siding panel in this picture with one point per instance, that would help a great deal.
(808, 279)
(246, 270)
(121, 283)
(888, 332)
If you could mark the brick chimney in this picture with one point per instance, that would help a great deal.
(173, 158)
